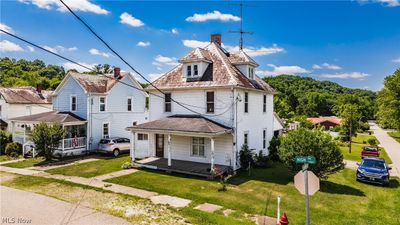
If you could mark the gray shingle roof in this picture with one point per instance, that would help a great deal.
(50, 117)
(25, 95)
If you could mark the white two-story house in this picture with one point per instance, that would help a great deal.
(210, 105)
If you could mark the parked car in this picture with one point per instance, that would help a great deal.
(116, 145)
(373, 170)
(370, 151)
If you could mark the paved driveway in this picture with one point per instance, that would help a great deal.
(391, 146)
(23, 207)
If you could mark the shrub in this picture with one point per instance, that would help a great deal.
(5, 138)
(13, 149)
(304, 142)
(246, 157)
(273, 148)
(371, 141)
(47, 138)
(261, 160)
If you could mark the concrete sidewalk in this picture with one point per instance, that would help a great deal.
(392, 147)
(43, 210)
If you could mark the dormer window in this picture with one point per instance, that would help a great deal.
(195, 70)
(189, 71)
(251, 73)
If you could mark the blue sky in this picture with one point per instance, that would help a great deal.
(353, 43)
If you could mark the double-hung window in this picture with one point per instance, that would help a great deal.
(264, 103)
(264, 138)
(102, 104)
(246, 138)
(189, 71)
(167, 100)
(143, 137)
(246, 102)
(129, 104)
(73, 103)
(195, 70)
(210, 102)
(106, 130)
(198, 146)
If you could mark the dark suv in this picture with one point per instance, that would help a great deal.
(373, 170)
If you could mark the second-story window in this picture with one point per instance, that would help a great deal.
(189, 71)
(210, 101)
(129, 104)
(73, 103)
(195, 70)
(246, 102)
(264, 103)
(167, 99)
(102, 104)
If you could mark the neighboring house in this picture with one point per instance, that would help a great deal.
(22, 101)
(109, 103)
(213, 104)
(328, 122)
(278, 125)
(292, 125)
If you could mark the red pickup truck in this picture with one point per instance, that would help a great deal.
(370, 151)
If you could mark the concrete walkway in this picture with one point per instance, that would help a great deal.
(43, 210)
(12, 161)
(115, 174)
(350, 164)
(392, 147)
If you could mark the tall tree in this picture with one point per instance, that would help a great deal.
(47, 138)
(388, 101)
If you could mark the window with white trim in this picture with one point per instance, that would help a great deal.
(129, 104)
(246, 138)
(106, 130)
(102, 104)
(195, 70)
(167, 101)
(73, 102)
(264, 138)
(142, 137)
(189, 71)
(251, 73)
(264, 103)
(246, 102)
(210, 101)
(198, 146)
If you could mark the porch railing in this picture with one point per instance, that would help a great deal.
(72, 143)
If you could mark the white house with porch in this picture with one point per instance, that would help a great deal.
(212, 103)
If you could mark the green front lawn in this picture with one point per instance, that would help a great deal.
(341, 199)
(395, 135)
(356, 148)
(4, 158)
(27, 163)
(92, 169)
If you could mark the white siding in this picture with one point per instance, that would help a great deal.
(62, 102)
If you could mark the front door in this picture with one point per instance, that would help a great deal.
(160, 145)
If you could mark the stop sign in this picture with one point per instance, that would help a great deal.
(313, 182)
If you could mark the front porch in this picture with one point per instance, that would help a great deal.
(180, 166)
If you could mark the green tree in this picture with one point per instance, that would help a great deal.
(351, 116)
(304, 142)
(47, 138)
(5, 138)
(388, 115)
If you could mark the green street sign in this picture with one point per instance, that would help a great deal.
(305, 159)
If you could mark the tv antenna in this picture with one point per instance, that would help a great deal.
(240, 31)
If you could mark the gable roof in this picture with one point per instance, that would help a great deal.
(25, 95)
(50, 117)
(223, 72)
(241, 57)
(318, 120)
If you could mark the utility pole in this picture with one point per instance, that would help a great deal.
(240, 31)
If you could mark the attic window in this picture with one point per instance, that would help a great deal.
(251, 73)
(195, 70)
(189, 71)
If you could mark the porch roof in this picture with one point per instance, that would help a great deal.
(185, 124)
(51, 117)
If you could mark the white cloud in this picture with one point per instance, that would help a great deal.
(174, 31)
(388, 3)
(70, 65)
(128, 19)
(251, 51)
(278, 70)
(396, 60)
(164, 60)
(353, 75)
(94, 51)
(154, 76)
(143, 44)
(30, 48)
(8, 46)
(59, 48)
(326, 66)
(215, 15)
(76, 5)
(6, 28)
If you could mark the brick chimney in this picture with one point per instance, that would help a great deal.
(117, 72)
(216, 38)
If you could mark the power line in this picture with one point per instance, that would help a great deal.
(122, 59)
(117, 80)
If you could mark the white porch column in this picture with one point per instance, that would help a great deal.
(133, 146)
(233, 157)
(169, 149)
(24, 133)
(212, 153)
(62, 141)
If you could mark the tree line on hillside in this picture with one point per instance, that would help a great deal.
(304, 96)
